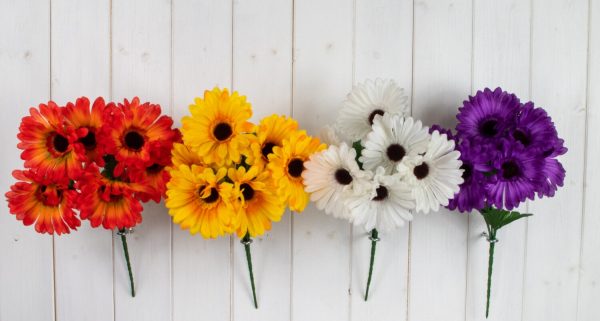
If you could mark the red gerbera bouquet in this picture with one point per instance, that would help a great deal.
(97, 162)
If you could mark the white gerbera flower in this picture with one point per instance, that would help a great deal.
(333, 174)
(364, 102)
(394, 140)
(434, 177)
(386, 206)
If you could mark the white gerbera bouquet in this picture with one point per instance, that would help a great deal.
(381, 164)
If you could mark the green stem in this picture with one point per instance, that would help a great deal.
(374, 239)
(247, 241)
(123, 234)
(492, 240)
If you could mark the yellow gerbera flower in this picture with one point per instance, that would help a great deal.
(182, 155)
(270, 133)
(287, 164)
(218, 126)
(258, 204)
(199, 200)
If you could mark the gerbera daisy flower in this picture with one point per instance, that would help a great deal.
(331, 175)
(109, 202)
(182, 155)
(434, 177)
(472, 191)
(394, 140)
(367, 100)
(258, 204)
(48, 143)
(270, 133)
(287, 164)
(198, 199)
(154, 175)
(218, 127)
(534, 129)
(385, 206)
(518, 174)
(47, 203)
(488, 115)
(79, 116)
(132, 128)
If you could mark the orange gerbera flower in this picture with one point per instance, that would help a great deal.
(49, 204)
(49, 144)
(154, 176)
(107, 201)
(79, 116)
(131, 130)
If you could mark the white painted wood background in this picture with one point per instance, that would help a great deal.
(301, 57)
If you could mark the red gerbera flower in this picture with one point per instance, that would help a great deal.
(109, 202)
(47, 203)
(154, 175)
(78, 115)
(132, 129)
(48, 143)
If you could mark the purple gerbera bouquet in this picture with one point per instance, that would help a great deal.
(509, 151)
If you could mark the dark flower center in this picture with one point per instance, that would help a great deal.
(89, 141)
(134, 140)
(222, 131)
(267, 149)
(213, 197)
(373, 114)
(50, 198)
(343, 177)
(295, 167)
(510, 170)
(382, 193)
(60, 143)
(154, 168)
(467, 171)
(522, 137)
(421, 171)
(395, 152)
(489, 128)
(247, 191)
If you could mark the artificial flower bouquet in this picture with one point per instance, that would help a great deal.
(97, 162)
(232, 176)
(382, 164)
(509, 152)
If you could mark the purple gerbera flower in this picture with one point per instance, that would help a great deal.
(517, 176)
(535, 130)
(487, 116)
(472, 191)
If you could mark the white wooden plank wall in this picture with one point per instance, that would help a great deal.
(300, 58)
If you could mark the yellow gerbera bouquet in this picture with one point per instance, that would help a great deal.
(232, 176)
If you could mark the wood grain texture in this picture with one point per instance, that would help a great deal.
(558, 83)
(501, 53)
(262, 70)
(82, 71)
(141, 57)
(383, 49)
(322, 78)
(589, 275)
(26, 266)
(202, 59)
(441, 79)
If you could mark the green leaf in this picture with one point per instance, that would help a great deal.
(359, 148)
(497, 218)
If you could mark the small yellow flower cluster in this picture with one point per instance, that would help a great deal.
(230, 175)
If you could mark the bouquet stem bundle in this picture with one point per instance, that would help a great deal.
(123, 233)
(494, 220)
(374, 237)
(247, 241)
